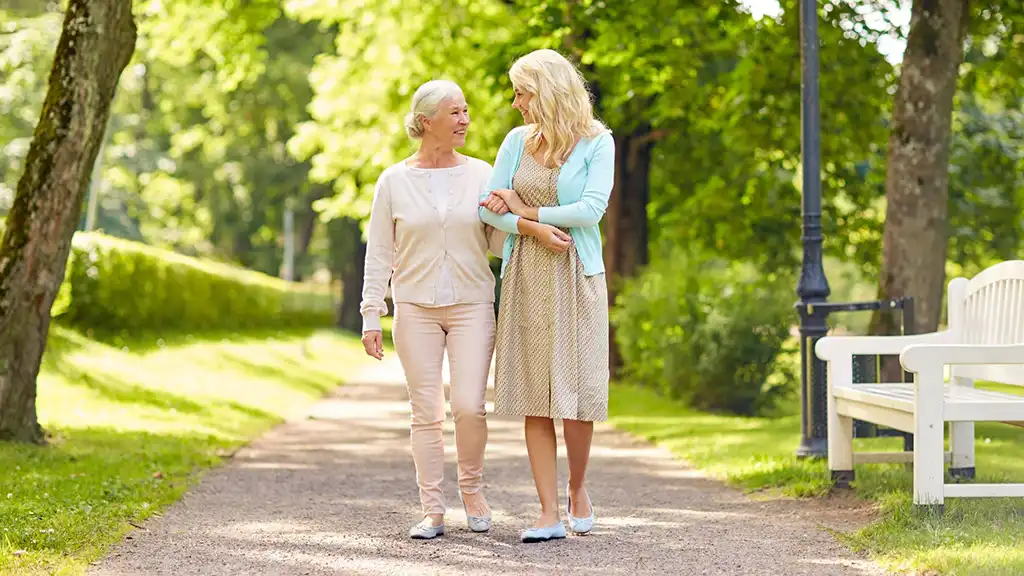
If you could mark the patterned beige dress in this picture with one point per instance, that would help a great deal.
(551, 345)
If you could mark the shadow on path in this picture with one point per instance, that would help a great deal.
(335, 494)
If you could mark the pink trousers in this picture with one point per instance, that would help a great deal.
(421, 337)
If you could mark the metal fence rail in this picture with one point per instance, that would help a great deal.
(866, 369)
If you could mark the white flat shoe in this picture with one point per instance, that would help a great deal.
(475, 523)
(579, 525)
(534, 535)
(425, 530)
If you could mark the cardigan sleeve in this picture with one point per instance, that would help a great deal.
(501, 179)
(589, 209)
(495, 238)
(380, 257)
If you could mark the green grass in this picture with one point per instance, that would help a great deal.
(976, 537)
(132, 423)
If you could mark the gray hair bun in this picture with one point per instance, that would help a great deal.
(414, 125)
(425, 103)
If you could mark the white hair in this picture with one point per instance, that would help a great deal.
(425, 103)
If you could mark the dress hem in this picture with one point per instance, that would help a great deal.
(525, 413)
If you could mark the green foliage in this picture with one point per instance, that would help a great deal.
(986, 173)
(197, 154)
(229, 112)
(363, 90)
(729, 175)
(26, 52)
(114, 285)
(707, 332)
(133, 426)
(986, 184)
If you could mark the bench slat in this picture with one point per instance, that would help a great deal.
(892, 396)
(901, 396)
(962, 403)
(899, 419)
(983, 412)
(983, 490)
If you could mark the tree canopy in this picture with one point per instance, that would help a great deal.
(230, 113)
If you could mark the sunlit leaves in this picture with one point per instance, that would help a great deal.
(229, 108)
(26, 51)
(382, 54)
(214, 120)
(228, 33)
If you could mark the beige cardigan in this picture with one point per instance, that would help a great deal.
(408, 239)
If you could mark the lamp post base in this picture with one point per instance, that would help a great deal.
(814, 448)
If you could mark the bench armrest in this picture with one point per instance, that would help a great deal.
(917, 358)
(845, 347)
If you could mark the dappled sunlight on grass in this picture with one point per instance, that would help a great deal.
(130, 425)
(216, 387)
(975, 536)
(753, 453)
(76, 495)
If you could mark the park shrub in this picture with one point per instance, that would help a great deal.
(117, 285)
(710, 333)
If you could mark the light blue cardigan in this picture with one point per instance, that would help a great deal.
(584, 186)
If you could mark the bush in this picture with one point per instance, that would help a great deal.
(119, 285)
(709, 333)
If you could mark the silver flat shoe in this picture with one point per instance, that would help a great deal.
(475, 523)
(425, 530)
(534, 535)
(579, 525)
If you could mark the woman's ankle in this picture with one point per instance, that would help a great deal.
(475, 503)
(548, 517)
(579, 505)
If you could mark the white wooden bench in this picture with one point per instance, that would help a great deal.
(984, 341)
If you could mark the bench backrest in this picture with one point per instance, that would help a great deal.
(989, 309)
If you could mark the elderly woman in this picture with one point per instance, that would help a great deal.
(555, 175)
(426, 238)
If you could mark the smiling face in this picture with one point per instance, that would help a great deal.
(521, 102)
(450, 123)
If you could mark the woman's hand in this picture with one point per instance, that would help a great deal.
(373, 343)
(513, 201)
(495, 204)
(550, 237)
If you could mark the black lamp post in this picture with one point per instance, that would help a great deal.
(813, 286)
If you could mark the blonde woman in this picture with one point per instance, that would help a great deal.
(555, 175)
(426, 238)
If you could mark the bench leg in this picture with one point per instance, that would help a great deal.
(929, 447)
(840, 433)
(840, 451)
(961, 443)
(961, 447)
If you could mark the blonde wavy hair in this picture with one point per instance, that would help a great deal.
(560, 105)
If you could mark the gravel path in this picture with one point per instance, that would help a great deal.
(335, 494)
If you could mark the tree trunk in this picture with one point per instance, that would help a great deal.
(625, 248)
(348, 254)
(349, 317)
(96, 43)
(308, 218)
(241, 247)
(915, 238)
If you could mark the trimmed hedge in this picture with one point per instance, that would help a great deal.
(113, 284)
